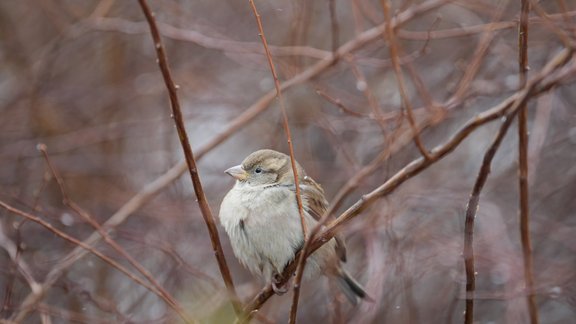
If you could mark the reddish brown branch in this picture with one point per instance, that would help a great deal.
(166, 296)
(383, 118)
(523, 165)
(20, 316)
(475, 29)
(394, 56)
(471, 210)
(337, 102)
(563, 33)
(334, 25)
(480, 52)
(284, 114)
(372, 101)
(100, 23)
(191, 162)
(290, 147)
(19, 264)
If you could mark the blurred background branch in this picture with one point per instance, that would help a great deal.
(77, 77)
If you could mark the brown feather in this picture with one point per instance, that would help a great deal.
(316, 206)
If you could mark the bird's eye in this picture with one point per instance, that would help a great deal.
(258, 170)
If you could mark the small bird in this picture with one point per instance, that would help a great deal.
(260, 215)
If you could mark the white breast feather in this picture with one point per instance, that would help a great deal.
(270, 236)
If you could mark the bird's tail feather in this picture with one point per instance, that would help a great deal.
(351, 289)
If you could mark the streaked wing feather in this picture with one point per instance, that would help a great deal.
(316, 206)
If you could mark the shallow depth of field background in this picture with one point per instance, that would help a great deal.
(81, 77)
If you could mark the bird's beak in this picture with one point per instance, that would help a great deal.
(237, 173)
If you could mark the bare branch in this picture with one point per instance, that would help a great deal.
(166, 296)
(523, 202)
(290, 147)
(471, 210)
(27, 306)
(191, 162)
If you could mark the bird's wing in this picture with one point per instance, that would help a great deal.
(315, 205)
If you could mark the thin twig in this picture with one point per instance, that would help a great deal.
(101, 23)
(523, 165)
(337, 102)
(394, 56)
(19, 264)
(290, 147)
(362, 85)
(16, 255)
(334, 25)
(21, 315)
(284, 114)
(564, 34)
(384, 117)
(166, 296)
(417, 80)
(190, 161)
(463, 31)
(483, 46)
(471, 210)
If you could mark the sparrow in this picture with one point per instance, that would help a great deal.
(261, 217)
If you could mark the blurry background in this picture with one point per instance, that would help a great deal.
(81, 77)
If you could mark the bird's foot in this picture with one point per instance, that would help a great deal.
(278, 290)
